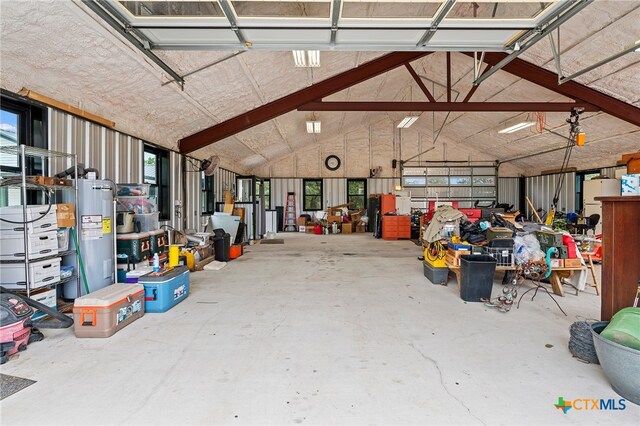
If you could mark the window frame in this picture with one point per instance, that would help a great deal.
(163, 179)
(267, 197)
(364, 196)
(305, 195)
(207, 194)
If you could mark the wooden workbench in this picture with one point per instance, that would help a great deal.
(555, 278)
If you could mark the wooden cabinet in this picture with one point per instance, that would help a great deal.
(620, 253)
(396, 227)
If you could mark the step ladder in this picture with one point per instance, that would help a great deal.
(290, 216)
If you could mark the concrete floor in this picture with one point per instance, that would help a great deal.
(338, 329)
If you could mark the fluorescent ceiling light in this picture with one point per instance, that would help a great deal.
(517, 127)
(306, 58)
(314, 58)
(407, 122)
(313, 126)
(299, 58)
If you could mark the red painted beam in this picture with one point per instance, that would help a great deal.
(447, 106)
(421, 84)
(290, 102)
(570, 89)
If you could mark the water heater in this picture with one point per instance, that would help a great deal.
(95, 233)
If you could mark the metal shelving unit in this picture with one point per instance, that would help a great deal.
(24, 152)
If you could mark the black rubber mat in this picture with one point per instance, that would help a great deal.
(274, 241)
(12, 384)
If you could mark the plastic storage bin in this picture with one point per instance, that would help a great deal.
(476, 277)
(66, 271)
(146, 222)
(165, 289)
(235, 251)
(133, 189)
(436, 275)
(137, 246)
(63, 239)
(108, 310)
(158, 242)
(138, 205)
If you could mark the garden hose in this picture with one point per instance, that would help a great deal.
(80, 262)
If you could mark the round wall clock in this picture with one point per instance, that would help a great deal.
(332, 162)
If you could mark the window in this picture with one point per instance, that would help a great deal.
(21, 123)
(207, 195)
(312, 194)
(156, 173)
(266, 187)
(357, 193)
(244, 193)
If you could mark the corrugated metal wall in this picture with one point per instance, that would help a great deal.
(118, 157)
(610, 172)
(541, 189)
(509, 191)
(224, 180)
(381, 185)
(334, 190)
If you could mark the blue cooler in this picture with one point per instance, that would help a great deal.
(165, 289)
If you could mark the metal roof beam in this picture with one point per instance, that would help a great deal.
(571, 89)
(448, 106)
(294, 100)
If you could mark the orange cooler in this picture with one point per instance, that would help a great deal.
(103, 312)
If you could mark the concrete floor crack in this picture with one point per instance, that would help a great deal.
(435, 363)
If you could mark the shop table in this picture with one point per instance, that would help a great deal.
(554, 278)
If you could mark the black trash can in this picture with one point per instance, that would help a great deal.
(476, 281)
(221, 245)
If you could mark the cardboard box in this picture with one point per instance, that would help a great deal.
(47, 297)
(332, 218)
(361, 228)
(346, 228)
(630, 185)
(572, 263)
(42, 180)
(61, 182)
(302, 221)
(557, 263)
(309, 229)
(66, 216)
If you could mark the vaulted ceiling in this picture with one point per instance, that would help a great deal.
(61, 49)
